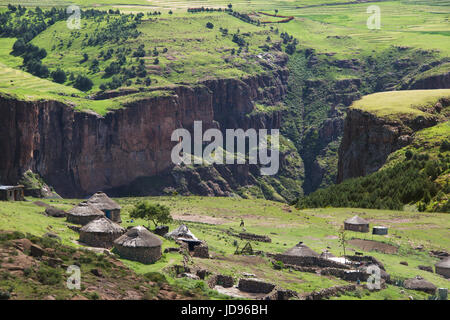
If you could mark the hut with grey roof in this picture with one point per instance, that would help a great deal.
(139, 244)
(357, 224)
(443, 267)
(100, 233)
(104, 203)
(84, 213)
(12, 193)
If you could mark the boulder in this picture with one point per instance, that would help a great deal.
(36, 251)
(55, 212)
(420, 284)
(426, 268)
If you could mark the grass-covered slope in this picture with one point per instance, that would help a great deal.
(398, 104)
(210, 219)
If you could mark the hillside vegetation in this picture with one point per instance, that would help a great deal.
(211, 219)
(417, 175)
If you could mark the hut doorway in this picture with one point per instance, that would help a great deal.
(108, 214)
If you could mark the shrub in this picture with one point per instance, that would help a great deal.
(209, 25)
(49, 276)
(83, 83)
(59, 76)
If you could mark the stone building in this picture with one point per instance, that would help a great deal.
(84, 213)
(12, 193)
(100, 233)
(104, 203)
(357, 224)
(443, 267)
(139, 244)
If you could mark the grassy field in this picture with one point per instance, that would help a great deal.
(401, 103)
(188, 52)
(210, 218)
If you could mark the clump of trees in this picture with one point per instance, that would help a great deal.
(408, 182)
(59, 76)
(83, 83)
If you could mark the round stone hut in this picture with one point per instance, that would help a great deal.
(357, 224)
(139, 244)
(100, 233)
(443, 268)
(104, 203)
(84, 213)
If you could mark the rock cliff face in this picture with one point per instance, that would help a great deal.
(439, 81)
(79, 153)
(368, 140)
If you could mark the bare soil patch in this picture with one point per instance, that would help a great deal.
(370, 245)
(198, 218)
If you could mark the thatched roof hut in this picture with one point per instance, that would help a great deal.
(301, 250)
(84, 213)
(443, 267)
(356, 223)
(139, 244)
(182, 233)
(100, 233)
(104, 203)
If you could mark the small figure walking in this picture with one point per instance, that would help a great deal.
(242, 223)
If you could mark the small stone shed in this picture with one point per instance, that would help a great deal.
(443, 267)
(182, 233)
(84, 213)
(139, 244)
(104, 203)
(100, 233)
(12, 193)
(357, 224)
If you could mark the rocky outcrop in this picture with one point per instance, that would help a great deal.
(368, 140)
(79, 153)
(438, 81)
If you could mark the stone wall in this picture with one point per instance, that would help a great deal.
(143, 255)
(102, 240)
(221, 280)
(329, 292)
(308, 261)
(201, 251)
(254, 237)
(255, 286)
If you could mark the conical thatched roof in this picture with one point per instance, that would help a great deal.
(138, 237)
(101, 201)
(84, 209)
(444, 263)
(301, 250)
(181, 232)
(356, 220)
(102, 225)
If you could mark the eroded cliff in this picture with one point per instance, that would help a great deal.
(79, 153)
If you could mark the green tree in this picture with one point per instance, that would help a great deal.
(156, 213)
(82, 83)
(343, 240)
(59, 76)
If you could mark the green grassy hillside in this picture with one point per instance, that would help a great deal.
(210, 219)
(406, 103)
